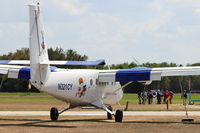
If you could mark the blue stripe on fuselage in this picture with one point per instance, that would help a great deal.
(134, 74)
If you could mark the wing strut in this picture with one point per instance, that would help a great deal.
(4, 76)
(123, 86)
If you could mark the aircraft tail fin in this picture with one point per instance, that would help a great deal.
(37, 45)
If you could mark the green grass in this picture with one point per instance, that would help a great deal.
(22, 94)
(129, 97)
(27, 99)
(41, 101)
(29, 96)
(26, 96)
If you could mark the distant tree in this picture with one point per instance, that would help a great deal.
(22, 54)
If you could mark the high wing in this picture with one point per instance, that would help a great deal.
(121, 75)
(145, 74)
(27, 62)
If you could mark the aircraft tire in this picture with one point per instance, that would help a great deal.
(118, 115)
(109, 116)
(54, 114)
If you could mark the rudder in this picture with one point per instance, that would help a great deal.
(38, 50)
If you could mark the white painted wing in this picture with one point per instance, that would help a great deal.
(145, 74)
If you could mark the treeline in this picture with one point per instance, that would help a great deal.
(170, 83)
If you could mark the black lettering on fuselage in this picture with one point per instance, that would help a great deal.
(64, 86)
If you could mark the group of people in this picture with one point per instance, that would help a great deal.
(155, 97)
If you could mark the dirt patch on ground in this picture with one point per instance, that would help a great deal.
(98, 124)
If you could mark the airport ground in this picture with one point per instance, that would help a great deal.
(98, 124)
(90, 124)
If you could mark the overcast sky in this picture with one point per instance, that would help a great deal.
(114, 30)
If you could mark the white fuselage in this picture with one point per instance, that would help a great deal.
(81, 87)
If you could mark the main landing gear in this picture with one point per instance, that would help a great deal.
(118, 115)
(54, 114)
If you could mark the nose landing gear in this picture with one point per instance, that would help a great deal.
(109, 116)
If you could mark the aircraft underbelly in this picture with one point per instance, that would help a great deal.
(112, 94)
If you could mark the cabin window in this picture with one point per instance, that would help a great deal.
(91, 82)
(97, 82)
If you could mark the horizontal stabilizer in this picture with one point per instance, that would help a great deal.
(18, 72)
(15, 62)
(27, 62)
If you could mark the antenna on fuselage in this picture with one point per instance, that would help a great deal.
(108, 67)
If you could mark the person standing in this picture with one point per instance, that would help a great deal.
(154, 97)
(144, 97)
(184, 97)
(148, 96)
(140, 96)
(170, 96)
(158, 96)
(166, 95)
(151, 97)
(161, 96)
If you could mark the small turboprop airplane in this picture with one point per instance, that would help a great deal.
(79, 87)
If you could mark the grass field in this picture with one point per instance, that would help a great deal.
(41, 101)
(41, 96)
